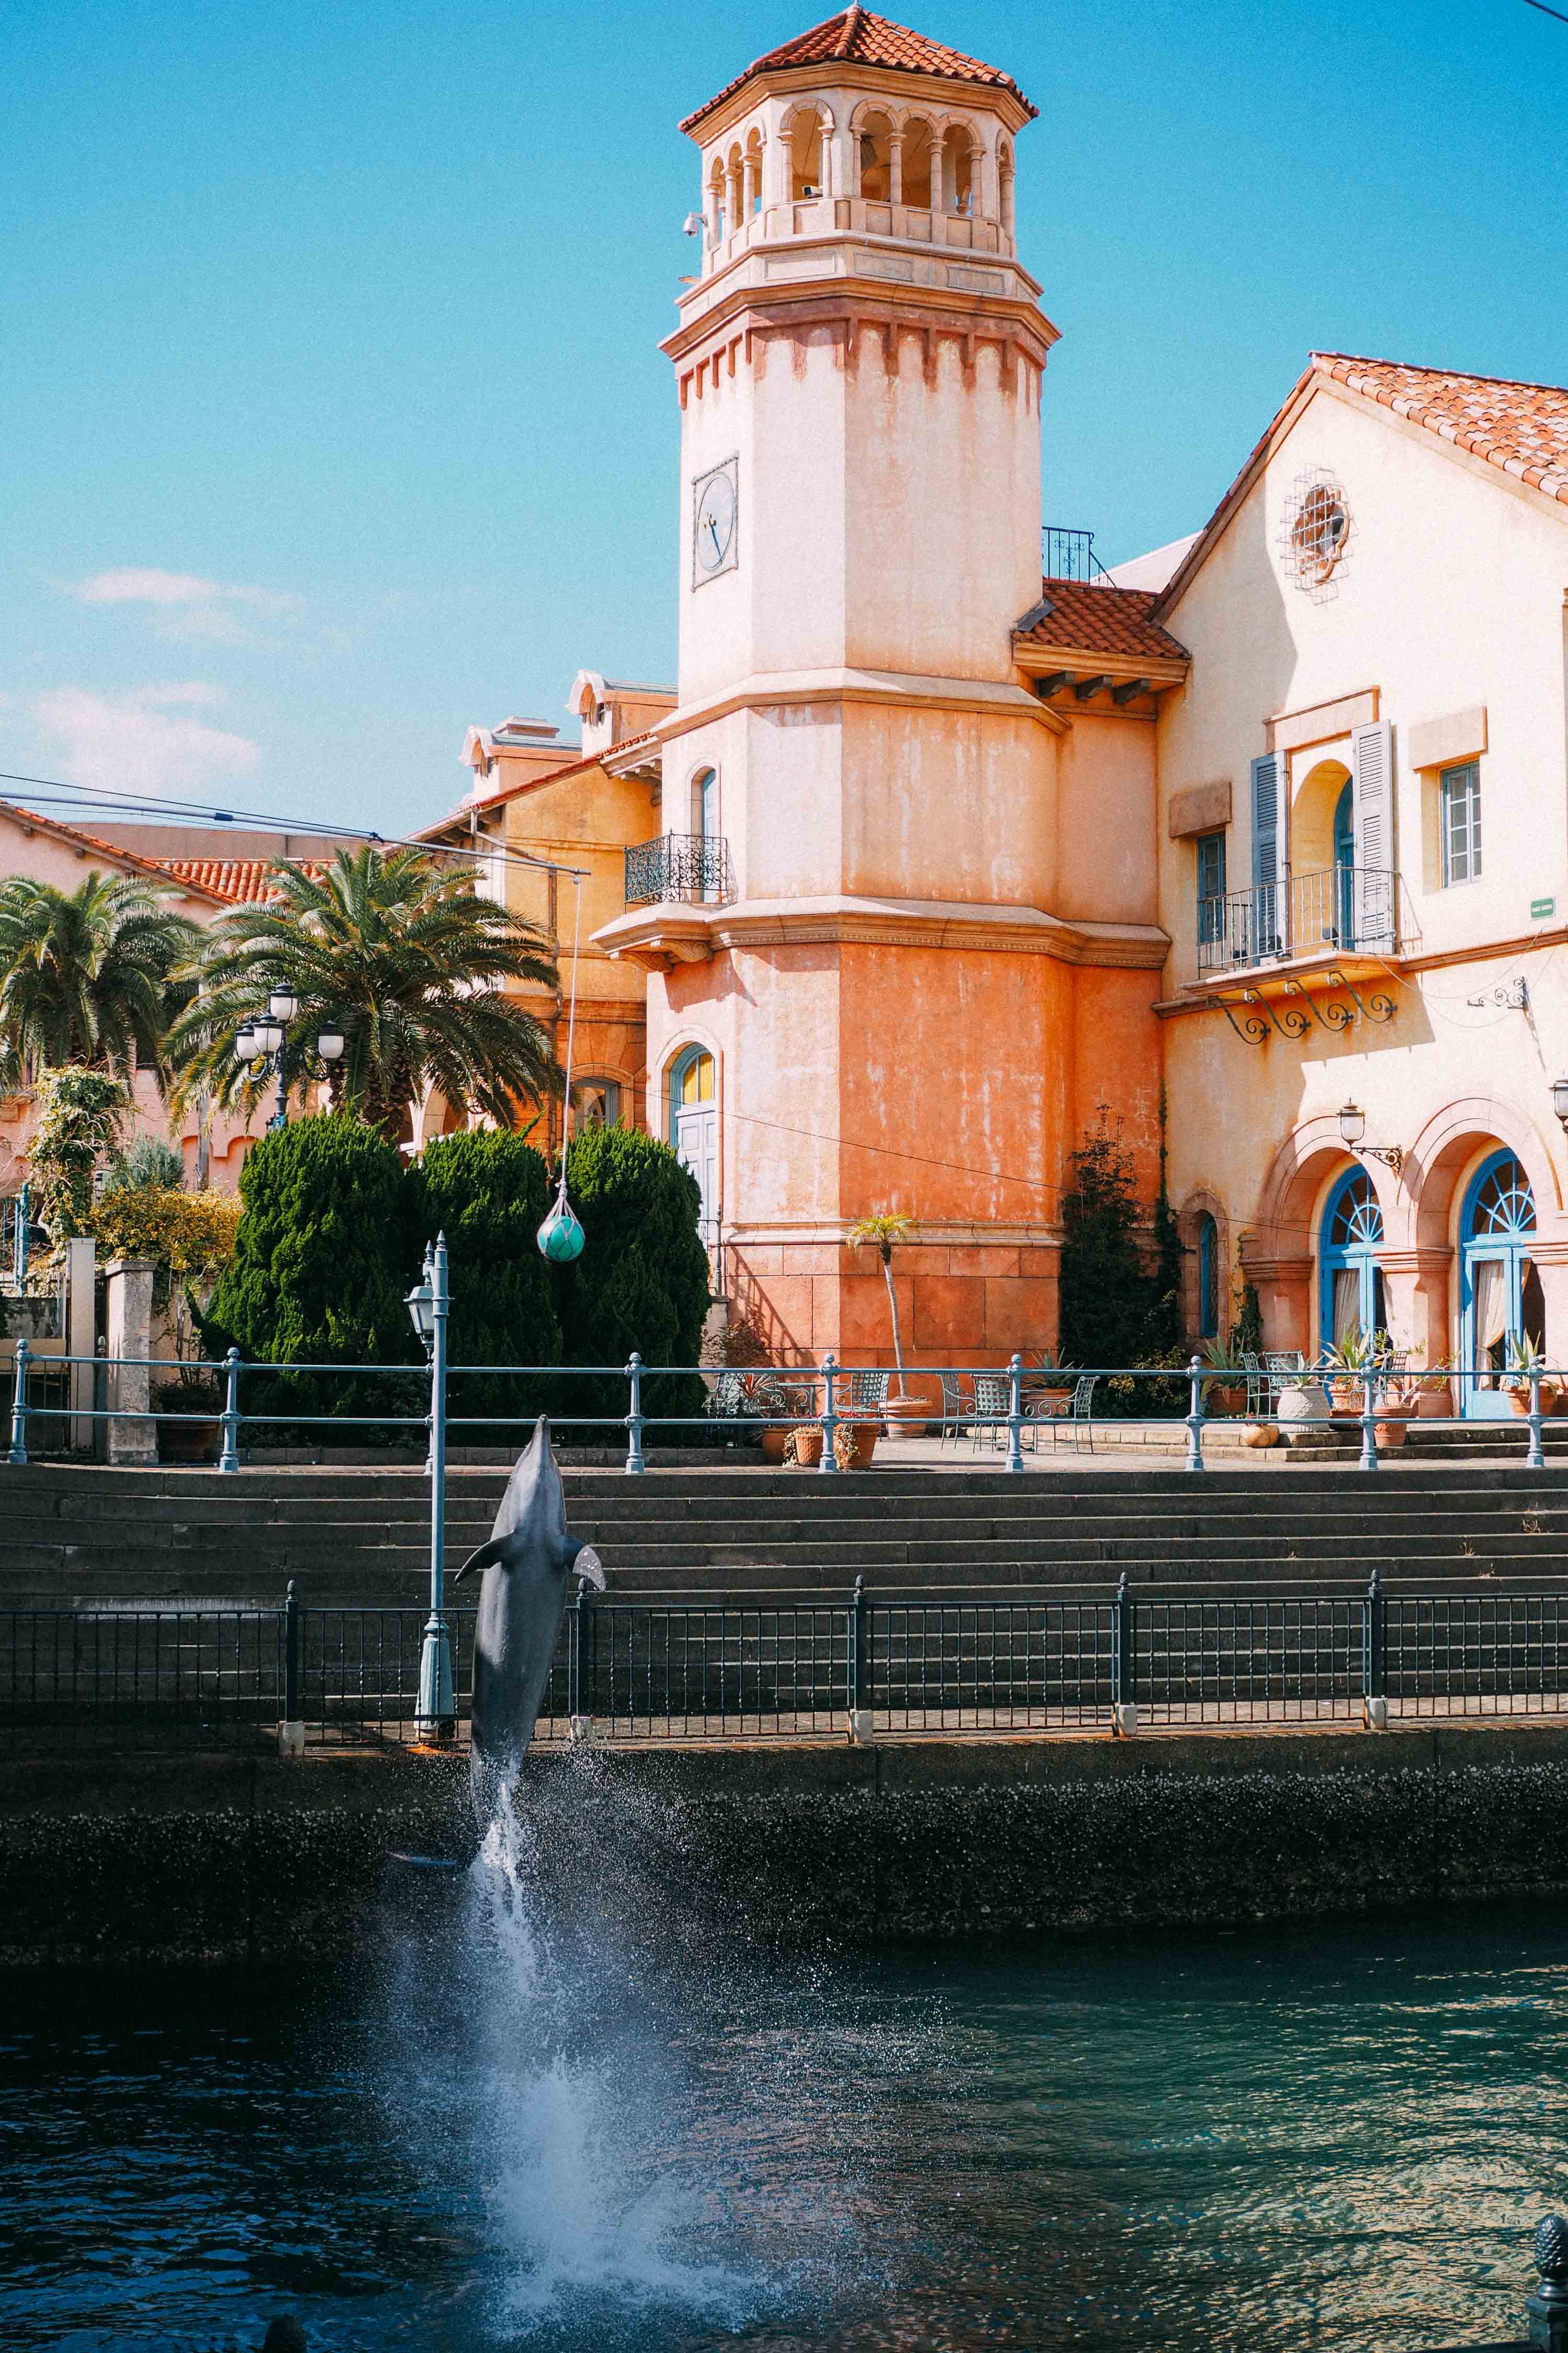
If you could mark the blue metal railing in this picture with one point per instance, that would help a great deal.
(1004, 1412)
(214, 1676)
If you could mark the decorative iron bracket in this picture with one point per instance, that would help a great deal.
(1377, 1007)
(1335, 1019)
(1250, 1031)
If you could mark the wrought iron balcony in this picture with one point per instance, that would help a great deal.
(1347, 911)
(687, 869)
(1067, 553)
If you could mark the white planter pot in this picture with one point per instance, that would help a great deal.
(1303, 1413)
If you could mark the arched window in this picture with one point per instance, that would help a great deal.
(694, 1115)
(1208, 1278)
(1353, 1298)
(1500, 1289)
(595, 1102)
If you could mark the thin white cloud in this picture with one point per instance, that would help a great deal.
(184, 604)
(144, 742)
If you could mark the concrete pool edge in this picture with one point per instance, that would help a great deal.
(224, 1859)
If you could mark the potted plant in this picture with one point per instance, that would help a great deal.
(1346, 1366)
(1526, 1355)
(1433, 1390)
(1050, 1375)
(1395, 1408)
(902, 1415)
(1225, 1384)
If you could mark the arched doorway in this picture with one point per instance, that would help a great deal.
(1499, 1290)
(1352, 1297)
(694, 1129)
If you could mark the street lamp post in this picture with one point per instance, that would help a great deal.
(436, 1714)
(264, 1045)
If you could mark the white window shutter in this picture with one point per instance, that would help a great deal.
(1371, 765)
(1268, 862)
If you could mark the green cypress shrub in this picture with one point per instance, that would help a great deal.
(642, 1281)
(1118, 1300)
(487, 1193)
(319, 1273)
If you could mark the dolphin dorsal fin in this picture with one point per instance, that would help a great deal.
(589, 1568)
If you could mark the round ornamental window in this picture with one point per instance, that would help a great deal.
(1316, 533)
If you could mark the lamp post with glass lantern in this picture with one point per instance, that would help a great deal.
(436, 1715)
(265, 1044)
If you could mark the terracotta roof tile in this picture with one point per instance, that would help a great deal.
(857, 37)
(242, 882)
(1099, 621)
(157, 867)
(1521, 427)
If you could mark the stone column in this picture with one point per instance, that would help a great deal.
(1284, 1287)
(1416, 1283)
(750, 175)
(895, 167)
(129, 1281)
(1552, 1265)
(81, 1329)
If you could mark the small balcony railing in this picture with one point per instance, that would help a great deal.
(1347, 911)
(689, 869)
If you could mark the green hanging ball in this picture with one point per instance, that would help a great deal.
(561, 1237)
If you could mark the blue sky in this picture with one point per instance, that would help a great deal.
(334, 416)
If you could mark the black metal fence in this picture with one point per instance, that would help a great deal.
(194, 1676)
(691, 868)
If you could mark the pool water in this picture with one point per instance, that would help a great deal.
(638, 2130)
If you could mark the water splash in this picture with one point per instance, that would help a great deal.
(619, 2193)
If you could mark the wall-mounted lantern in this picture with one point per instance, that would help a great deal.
(1353, 1128)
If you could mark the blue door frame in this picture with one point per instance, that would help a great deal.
(1349, 1236)
(1496, 1223)
(1344, 867)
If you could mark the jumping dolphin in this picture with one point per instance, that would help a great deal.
(523, 1600)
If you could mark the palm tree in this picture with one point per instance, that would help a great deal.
(85, 974)
(879, 1232)
(404, 957)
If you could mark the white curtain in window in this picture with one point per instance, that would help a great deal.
(1347, 1302)
(1490, 1277)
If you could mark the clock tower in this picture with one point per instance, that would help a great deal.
(863, 995)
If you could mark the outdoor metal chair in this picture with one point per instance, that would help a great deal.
(992, 1408)
(727, 1398)
(953, 1416)
(868, 1395)
(1074, 1413)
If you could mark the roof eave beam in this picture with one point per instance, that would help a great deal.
(1088, 687)
(1129, 688)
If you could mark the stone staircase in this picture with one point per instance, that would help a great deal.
(71, 1535)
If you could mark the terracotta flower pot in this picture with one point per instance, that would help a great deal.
(1347, 1397)
(773, 1444)
(904, 1416)
(1391, 1426)
(188, 1441)
(1519, 1398)
(802, 1448)
(1434, 1402)
(854, 1444)
(1225, 1397)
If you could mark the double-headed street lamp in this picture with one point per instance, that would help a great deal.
(435, 1715)
(264, 1045)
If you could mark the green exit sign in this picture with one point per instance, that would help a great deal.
(1540, 908)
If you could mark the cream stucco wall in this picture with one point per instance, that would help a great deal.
(1451, 597)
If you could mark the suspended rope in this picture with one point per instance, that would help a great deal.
(561, 1237)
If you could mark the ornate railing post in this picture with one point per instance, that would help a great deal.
(580, 1667)
(18, 1454)
(1368, 1420)
(1548, 2308)
(860, 1663)
(1195, 1415)
(635, 1463)
(1536, 1459)
(1375, 1700)
(229, 1457)
(291, 1722)
(829, 1461)
(1125, 1716)
(1016, 1414)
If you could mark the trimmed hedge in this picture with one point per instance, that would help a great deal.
(642, 1281)
(487, 1193)
(318, 1274)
